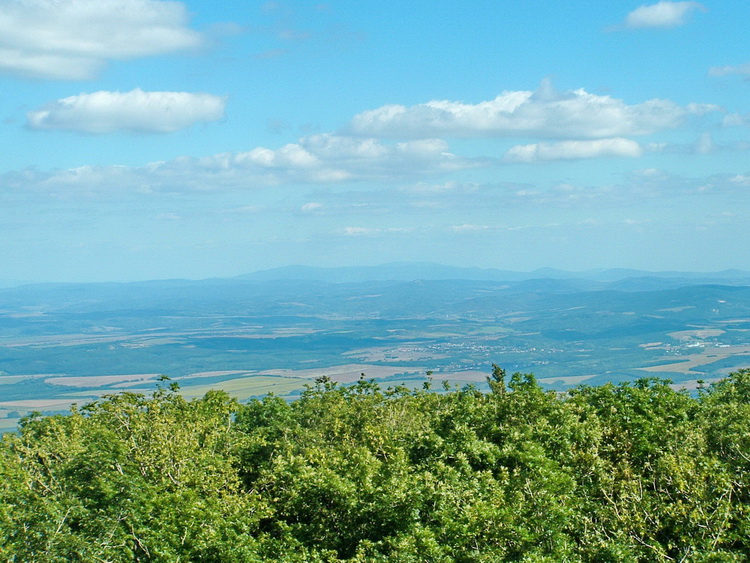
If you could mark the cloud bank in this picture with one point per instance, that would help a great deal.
(543, 114)
(662, 14)
(135, 111)
(319, 159)
(73, 39)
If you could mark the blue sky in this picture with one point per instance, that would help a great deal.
(145, 139)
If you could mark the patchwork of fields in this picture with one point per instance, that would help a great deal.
(65, 344)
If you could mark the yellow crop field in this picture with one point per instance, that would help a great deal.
(244, 387)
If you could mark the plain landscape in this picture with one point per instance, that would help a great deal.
(390, 281)
(276, 331)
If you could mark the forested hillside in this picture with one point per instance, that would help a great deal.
(629, 472)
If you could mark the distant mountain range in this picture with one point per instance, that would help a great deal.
(410, 271)
(621, 279)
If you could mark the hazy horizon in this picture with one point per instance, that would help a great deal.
(198, 139)
(412, 271)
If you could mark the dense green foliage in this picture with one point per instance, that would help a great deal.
(629, 472)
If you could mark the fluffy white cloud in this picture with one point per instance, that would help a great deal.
(544, 113)
(334, 158)
(73, 39)
(661, 14)
(138, 111)
(320, 159)
(573, 150)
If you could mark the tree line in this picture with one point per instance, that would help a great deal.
(629, 472)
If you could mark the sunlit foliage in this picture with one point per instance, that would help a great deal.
(629, 472)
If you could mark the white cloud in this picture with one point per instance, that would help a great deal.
(138, 111)
(359, 231)
(573, 150)
(332, 158)
(743, 69)
(649, 173)
(469, 228)
(705, 144)
(370, 232)
(657, 147)
(320, 159)
(735, 120)
(661, 14)
(311, 207)
(545, 114)
(73, 39)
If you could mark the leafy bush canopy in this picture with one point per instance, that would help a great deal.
(629, 472)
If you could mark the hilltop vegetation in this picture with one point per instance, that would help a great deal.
(627, 472)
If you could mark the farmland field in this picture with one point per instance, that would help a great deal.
(64, 344)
